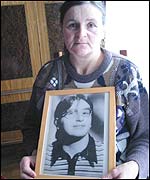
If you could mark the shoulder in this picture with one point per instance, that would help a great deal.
(118, 58)
(125, 69)
(125, 62)
(47, 70)
(49, 65)
(121, 59)
(119, 64)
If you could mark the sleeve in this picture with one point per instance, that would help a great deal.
(32, 121)
(137, 116)
(138, 123)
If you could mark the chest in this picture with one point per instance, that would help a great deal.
(77, 167)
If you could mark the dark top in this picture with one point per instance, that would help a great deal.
(132, 107)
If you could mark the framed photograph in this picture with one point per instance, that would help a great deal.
(77, 135)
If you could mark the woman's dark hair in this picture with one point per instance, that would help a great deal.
(65, 104)
(68, 4)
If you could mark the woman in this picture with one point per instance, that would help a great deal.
(84, 65)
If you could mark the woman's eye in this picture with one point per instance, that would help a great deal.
(72, 26)
(91, 25)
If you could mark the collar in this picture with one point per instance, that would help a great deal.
(89, 153)
(92, 76)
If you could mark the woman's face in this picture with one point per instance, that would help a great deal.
(83, 29)
(77, 121)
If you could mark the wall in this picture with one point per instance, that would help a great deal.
(127, 27)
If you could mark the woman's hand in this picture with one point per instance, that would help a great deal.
(27, 166)
(128, 170)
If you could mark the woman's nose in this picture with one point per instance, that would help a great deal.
(82, 32)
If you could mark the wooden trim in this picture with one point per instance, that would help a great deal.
(6, 93)
(11, 137)
(42, 32)
(14, 84)
(50, 2)
(11, 3)
(123, 52)
(15, 98)
(33, 36)
(112, 127)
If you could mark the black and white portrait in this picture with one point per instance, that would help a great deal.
(76, 135)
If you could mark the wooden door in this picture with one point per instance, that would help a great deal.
(20, 59)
